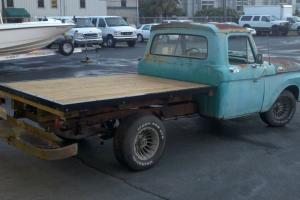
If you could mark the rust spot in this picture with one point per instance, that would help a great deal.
(228, 27)
(284, 65)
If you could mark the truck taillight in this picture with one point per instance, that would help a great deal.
(58, 123)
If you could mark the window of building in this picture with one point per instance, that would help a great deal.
(10, 3)
(189, 46)
(53, 3)
(41, 4)
(123, 3)
(239, 50)
(82, 4)
(207, 4)
(256, 18)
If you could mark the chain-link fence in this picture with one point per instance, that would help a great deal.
(202, 19)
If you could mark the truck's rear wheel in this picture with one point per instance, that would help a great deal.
(275, 31)
(298, 30)
(139, 142)
(282, 110)
(284, 32)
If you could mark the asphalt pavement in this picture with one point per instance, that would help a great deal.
(237, 159)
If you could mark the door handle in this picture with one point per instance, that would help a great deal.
(254, 66)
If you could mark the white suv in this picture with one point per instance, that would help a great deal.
(265, 24)
(115, 29)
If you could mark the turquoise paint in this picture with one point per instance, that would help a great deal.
(250, 90)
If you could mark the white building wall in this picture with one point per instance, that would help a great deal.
(114, 7)
(64, 8)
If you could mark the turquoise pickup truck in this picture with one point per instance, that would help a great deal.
(212, 70)
(226, 57)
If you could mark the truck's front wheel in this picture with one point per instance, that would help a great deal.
(282, 110)
(139, 142)
(111, 43)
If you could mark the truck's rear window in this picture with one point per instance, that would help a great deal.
(189, 46)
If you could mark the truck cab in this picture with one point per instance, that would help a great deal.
(224, 56)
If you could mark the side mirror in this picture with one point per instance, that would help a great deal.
(259, 58)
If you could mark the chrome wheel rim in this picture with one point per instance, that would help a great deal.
(67, 47)
(146, 143)
(282, 108)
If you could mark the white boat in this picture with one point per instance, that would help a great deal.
(29, 36)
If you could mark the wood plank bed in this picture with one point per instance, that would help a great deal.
(72, 93)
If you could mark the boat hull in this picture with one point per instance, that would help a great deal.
(25, 38)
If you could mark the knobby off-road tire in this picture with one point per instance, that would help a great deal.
(139, 141)
(282, 110)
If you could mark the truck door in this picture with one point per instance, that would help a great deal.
(146, 31)
(265, 22)
(245, 87)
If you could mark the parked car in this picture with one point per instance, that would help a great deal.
(265, 24)
(177, 21)
(143, 32)
(115, 29)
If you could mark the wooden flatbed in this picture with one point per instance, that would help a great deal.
(76, 108)
(83, 93)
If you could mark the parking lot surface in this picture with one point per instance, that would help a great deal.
(237, 159)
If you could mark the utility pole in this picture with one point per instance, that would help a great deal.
(137, 13)
(3, 9)
(224, 10)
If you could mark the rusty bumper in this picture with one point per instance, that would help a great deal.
(33, 140)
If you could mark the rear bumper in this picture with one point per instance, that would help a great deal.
(34, 141)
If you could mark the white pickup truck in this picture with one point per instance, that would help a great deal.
(84, 31)
(265, 24)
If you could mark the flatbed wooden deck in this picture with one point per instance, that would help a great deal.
(77, 93)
